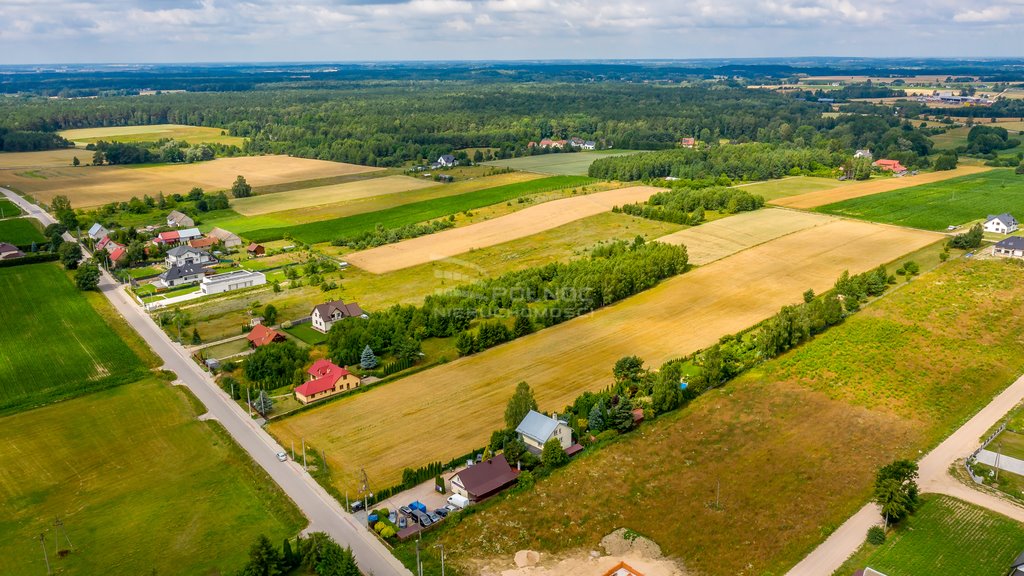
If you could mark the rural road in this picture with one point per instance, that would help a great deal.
(935, 478)
(324, 512)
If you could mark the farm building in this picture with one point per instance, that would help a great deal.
(178, 219)
(688, 142)
(256, 249)
(484, 479)
(1012, 247)
(260, 335)
(325, 379)
(181, 255)
(204, 243)
(97, 231)
(1001, 224)
(889, 165)
(235, 280)
(536, 429)
(228, 239)
(9, 251)
(180, 275)
(175, 237)
(325, 315)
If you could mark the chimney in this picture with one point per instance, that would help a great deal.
(554, 416)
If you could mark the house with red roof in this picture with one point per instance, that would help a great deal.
(117, 256)
(261, 336)
(325, 379)
(688, 142)
(889, 165)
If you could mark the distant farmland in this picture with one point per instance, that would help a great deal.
(561, 163)
(938, 205)
(152, 133)
(321, 195)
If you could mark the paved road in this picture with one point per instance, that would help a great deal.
(1001, 461)
(324, 513)
(935, 478)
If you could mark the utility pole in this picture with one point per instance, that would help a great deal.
(42, 541)
(59, 525)
(997, 462)
(304, 467)
(293, 450)
(441, 546)
(419, 567)
(248, 401)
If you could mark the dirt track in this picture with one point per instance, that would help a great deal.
(815, 199)
(519, 224)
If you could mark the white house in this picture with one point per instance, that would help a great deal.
(447, 161)
(1012, 247)
(181, 275)
(589, 145)
(1001, 224)
(325, 315)
(863, 154)
(234, 280)
(177, 219)
(97, 231)
(181, 255)
(536, 429)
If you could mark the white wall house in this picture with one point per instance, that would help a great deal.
(181, 275)
(181, 255)
(447, 161)
(234, 280)
(1012, 247)
(536, 429)
(1001, 224)
(325, 315)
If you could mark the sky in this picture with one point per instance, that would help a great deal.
(115, 31)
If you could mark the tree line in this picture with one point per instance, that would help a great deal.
(30, 140)
(682, 205)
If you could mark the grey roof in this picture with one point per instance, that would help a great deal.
(179, 251)
(223, 235)
(1006, 217)
(1011, 243)
(176, 272)
(1019, 562)
(537, 426)
(177, 216)
(349, 310)
(447, 158)
(95, 228)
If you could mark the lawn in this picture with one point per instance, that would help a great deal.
(792, 186)
(307, 334)
(151, 133)
(565, 164)
(938, 205)
(328, 230)
(21, 231)
(945, 536)
(8, 209)
(53, 343)
(794, 444)
(721, 298)
(141, 486)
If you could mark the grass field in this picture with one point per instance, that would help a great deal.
(310, 197)
(8, 209)
(20, 231)
(945, 536)
(241, 224)
(152, 133)
(141, 486)
(567, 164)
(794, 443)
(721, 298)
(870, 187)
(792, 186)
(43, 159)
(307, 334)
(328, 230)
(936, 206)
(53, 343)
(715, 240)
(89, 186)
(529, 221)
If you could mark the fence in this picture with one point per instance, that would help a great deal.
(974, 455)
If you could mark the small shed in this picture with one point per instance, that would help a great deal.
(256, 249)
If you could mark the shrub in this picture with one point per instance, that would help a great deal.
(606, 435)
(876, 536)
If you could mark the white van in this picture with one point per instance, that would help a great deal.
(458, 501)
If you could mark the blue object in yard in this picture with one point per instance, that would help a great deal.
(372, 518)
(683, 385)
(969, 254)
(417, 505)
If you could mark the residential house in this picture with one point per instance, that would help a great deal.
(576, 142)
(228, 239)
(204, 243)
(104, 242)
(234, 280)
(447, 161)
(623, 569)
(688, 142)
(183, 274)
(484, 479)
(863, 154)
(9, 251)
(889, 165)
(325, 315)
(536, 429)
(1017, 567)
(589, 145)
(256, 249)
(181, 255)
(118, 255)
(178, 219)
(260, 335)
(175, 237)
(325, 379)
(1001, 224)
(549, 143)
(1012, 247)
(97, 231)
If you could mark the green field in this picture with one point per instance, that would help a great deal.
(307, 334)
(945, 536)
(938, 205)
(8, 209)
(328, 230)
(53, 344)
(565, 164)
(792, 186)
(152, 133)
(141, 486)
(20, 231)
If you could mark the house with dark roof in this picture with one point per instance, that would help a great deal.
(325, 315)
(178, 219)
(1017, 567)
(447, 161)
(325, 379)
(1001, 224)
(261, 335)
(9, 251)
(190, 273)
(589, 145)
(181, 255)
(485, 479)
(1012, 247)
(536, 429)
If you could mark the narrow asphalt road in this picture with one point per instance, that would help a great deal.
(934, 478)
(325, 514)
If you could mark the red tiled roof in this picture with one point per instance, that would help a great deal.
(893, 165)
(171, 236)
(317, 386)
(326, 375)
(261, 336)
(103, 243)
(117, 254)
(203, 242)
(323, 367)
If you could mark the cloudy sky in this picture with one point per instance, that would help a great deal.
(54, 31)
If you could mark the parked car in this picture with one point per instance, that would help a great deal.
(458, 501)
(393, 516)
(405, 510)
(434, 518)
(402, 523)
(357, 505)
(282, 457)
(422, 518)
(449, 508)
(442, 512)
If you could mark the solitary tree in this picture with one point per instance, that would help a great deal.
(553, 456)
(70, 254)
(241, 188)
(87, 277)
(896, 490)
(264, 403)
(75, 161)
(196, 339)
(367, 360)
(519, 405)
(269, 314)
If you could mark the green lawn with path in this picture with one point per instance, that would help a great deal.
(9, 209)
(21, 231)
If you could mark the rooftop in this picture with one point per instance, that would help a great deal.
(537, 426)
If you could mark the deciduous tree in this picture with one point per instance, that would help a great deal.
(519, 405)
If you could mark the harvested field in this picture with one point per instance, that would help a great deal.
(560, 362)
(43, 159)
(565, 164)
(309, 197)
(532, 220)
(720, 238)
(856, 190)
(152, 133)
(89, 186)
